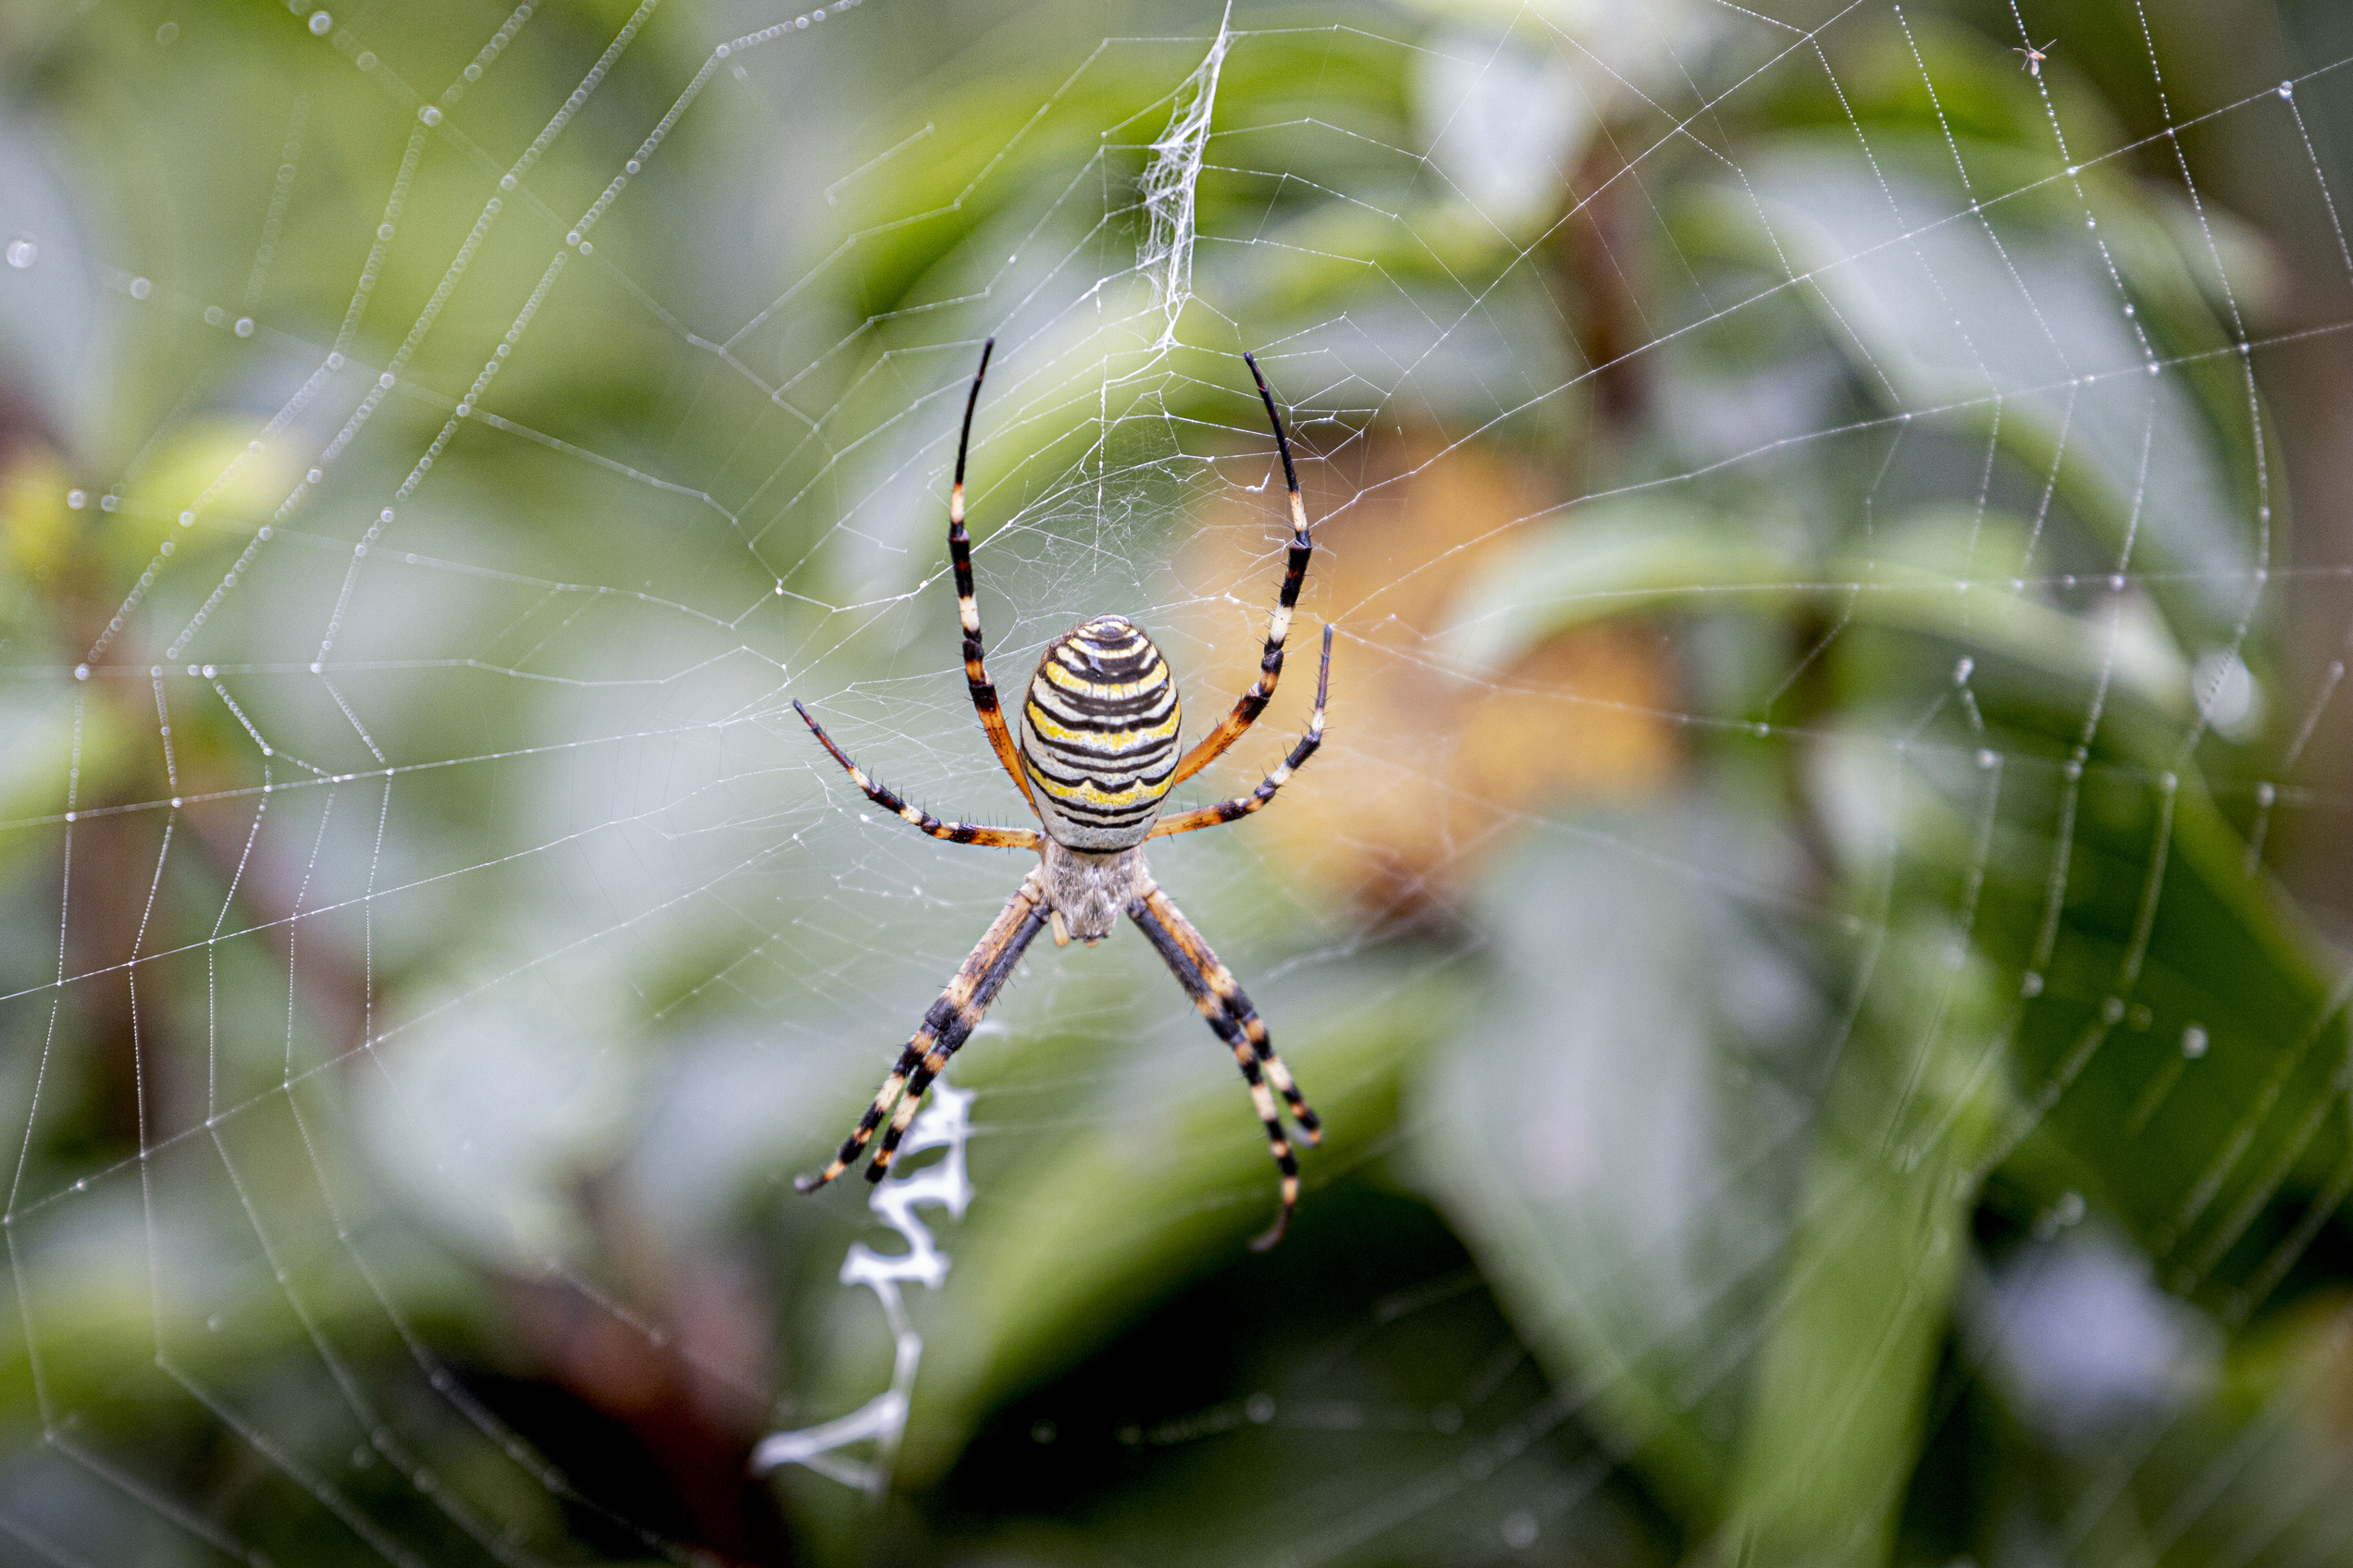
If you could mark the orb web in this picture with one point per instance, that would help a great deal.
(1828, 710)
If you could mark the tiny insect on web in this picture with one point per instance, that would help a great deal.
(1095, 758)
(2036, 54)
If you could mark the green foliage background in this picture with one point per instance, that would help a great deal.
(1903, 1121)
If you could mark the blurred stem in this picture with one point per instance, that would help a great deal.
(1835, 1430)
(1599, 259)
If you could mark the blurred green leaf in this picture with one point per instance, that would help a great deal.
(1620, 1128)
(1632, 556)
(2114, 891)
(1835, 1425)
(2182, 1036)
(1998, 318)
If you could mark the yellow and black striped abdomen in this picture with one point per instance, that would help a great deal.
(1099, 734)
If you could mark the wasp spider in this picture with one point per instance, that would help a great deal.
(1097, 756)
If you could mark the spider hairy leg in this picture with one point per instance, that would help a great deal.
(968, 608)
(1230, 1015)
(923, 821)
(946, 1027)
(1232, 810)
(1239, 1008)
(991, 980)
(1253, 701)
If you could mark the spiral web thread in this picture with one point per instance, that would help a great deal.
(326, 786)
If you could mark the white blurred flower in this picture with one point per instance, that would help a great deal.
(2085, 1340)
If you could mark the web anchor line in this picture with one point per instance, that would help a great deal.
(944, 1123)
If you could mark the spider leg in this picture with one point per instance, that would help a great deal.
(1242, 805)
(968, 608)
(946, 1027)
(1230, 1017)
(1253, 702)
(955, 833)
(1237, 1005)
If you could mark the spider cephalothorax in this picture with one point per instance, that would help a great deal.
(1096, 757)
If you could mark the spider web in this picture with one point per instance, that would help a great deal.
(1830, 729)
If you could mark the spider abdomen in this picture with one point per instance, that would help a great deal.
(1099, 734)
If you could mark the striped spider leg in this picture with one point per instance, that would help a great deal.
(1253, 701)
(950, 1021)
(968, 607)
(923, 821)
(1214, 993)
(1233, 810)
(1220, 1000)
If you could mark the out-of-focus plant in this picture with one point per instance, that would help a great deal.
(1774, 918)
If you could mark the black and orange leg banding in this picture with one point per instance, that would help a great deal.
(847, 1155)
(946, 1027)
(968, 607)
(1231, 1017)
(923, 821)
(1232, 810)
(1237, 1003)
(1253, 701)
(952, 1036)
(1285, 1161)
